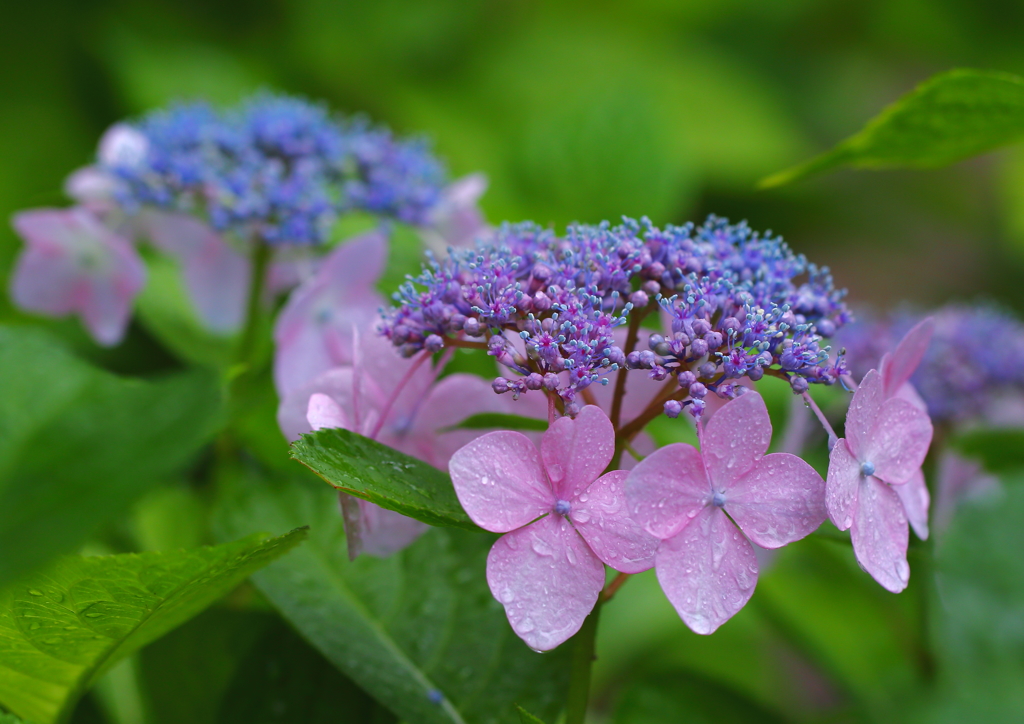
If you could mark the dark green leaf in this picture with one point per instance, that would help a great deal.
(419, 631)
(499, 421)
(948, 118)
(999, 450)
(62, 628)
(369, 470)
(79, 445)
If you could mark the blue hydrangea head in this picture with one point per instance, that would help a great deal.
(276, 167)
(739, 305)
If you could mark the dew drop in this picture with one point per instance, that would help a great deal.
(34, 592)
(35, 626)
(527, 625)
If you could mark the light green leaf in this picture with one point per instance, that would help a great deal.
(369, 470)
(499, 421)
(78, 445)
(526, 717)
(420, 631)
(948, 118)
(62, 628)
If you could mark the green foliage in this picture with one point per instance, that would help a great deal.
(526, 717)
(999, 449)
(948, 118)
(62, 628)
(500, 421)
(419, 630)
(369, 470)
(79, 445)
(683, 698)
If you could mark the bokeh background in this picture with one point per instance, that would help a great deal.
(587, 111)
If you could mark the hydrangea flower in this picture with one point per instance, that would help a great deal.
(313, 332)
(707, 506)
(886, 441)
(73, 264)
(409, 409)
(561, 520)
(548, 308)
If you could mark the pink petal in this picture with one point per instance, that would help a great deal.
(898, 367)
(335, 384)
(782, 499)
(908, 393)
(915, 498)
(500, 481)
(376, 531)
(863, 413)
(216, 276)
(842, 485)
(124, 146)
(900, 441)
(736, 438)
(548, 580)
(667, 489)
(708, 571)
(91, 187)
(880, 533)
(354, 266)
(323, 412)
(576, 451)
(601, 516)
(72, 263)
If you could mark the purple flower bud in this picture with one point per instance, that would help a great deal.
(698, 391)
(698, 348)
(433, 343)
(825, 327)
(755, 374)
(708, 370)
(647, 359)
(550, 381)
(686, 378)
(731, 324)
(541, 302)
(639, 299)
(654, 340)
(799, 385)
(572, 409)
(472, 327)
(651, 288)
(534, 381)
(659, 373)
(701, 327)
(714, 340)
(616, 356)
(633, 360)
(500, 385)
(696, 408)
(673, 408)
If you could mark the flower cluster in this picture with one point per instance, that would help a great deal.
(971, 370)
(276, 167)
(738, 305)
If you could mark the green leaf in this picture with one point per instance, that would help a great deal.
(672, 697)
(948, 118)
(78, 445)
(10, 719)
(999, 449)
(369, 470)
(499, 421)
(420, 631)
(526, 717)
(62, 628)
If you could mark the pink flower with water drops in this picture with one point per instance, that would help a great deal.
(561, 518)
(707, 507)
(73, 264)
(886, 441)
(313, 332)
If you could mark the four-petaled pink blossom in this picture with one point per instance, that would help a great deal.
(707, 506)
(313, 333)
(896, 370)
(547, 571)
(886, 441)
(72, 263)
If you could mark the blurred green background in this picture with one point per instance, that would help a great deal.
(586, 111)
(575, 110)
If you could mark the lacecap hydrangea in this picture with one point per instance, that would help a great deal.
(277, 168)
(563, 312)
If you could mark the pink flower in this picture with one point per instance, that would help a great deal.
(886, 441)
(74, 264)
(216, 275)
(706, 566)
(417, 412)
(548, 573)
(457, 220)
(313, 333)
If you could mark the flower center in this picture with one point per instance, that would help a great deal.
(718, 499)
(562, 507)
(867, 469)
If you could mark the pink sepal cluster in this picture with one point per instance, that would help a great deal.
(708, 506)
(561, 518)
(73, 264)
(875, 486)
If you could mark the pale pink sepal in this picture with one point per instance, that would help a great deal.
(667, 489)
(601, 516)
(577, 450)
(898, 367)
(72, 263)
(217, 276)
(708, 571)
(376, 531)
(324, 412)
(737, 437)
(880, 533)
(547, 578)
(916, 500)
(457, 220)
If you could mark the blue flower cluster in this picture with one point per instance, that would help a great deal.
(276, 167)
(963, 375)
(551, 308)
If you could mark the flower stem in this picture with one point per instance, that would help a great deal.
(247, 346)
(579, 673)
(832, 437)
